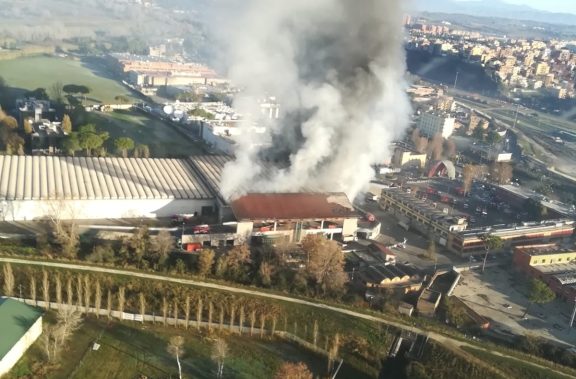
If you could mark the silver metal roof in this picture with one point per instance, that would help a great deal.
(210, 168)
(80, 178)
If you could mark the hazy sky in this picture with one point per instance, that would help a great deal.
(549, 5)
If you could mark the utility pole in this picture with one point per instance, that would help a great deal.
(516, 116)
(456, 79)
(573, 314)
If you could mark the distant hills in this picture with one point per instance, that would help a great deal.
(494, 8)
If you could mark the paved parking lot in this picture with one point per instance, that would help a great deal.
(416, 246)
(480, 206)
(502, 297)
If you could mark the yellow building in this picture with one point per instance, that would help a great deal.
(402, 158)
(542, 255)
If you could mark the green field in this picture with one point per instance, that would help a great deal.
(43, 72)
(516, 368)
(127, 350)
(162, 139)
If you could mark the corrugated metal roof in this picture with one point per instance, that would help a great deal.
(293, 206)
(79, 178)
(210, 168)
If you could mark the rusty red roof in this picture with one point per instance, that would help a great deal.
(292, 206)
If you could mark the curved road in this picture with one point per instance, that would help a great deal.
(442, 339)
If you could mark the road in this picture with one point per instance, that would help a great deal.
(439, 338)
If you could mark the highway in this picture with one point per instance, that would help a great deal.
(447, 341)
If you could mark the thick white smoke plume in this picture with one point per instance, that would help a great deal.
(337, 70)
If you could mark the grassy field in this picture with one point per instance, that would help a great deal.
(128, 350)
(514, 368)
(162, 139)
(34, 72)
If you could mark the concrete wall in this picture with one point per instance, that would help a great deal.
(349, 229)
(100, 209)
(20, 347)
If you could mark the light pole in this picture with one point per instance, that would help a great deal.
(573, 314)
(516, 116)
(456, 79)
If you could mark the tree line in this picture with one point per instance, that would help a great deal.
(322, 273)
(100, 295)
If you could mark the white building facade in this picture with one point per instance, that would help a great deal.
(38, 187)
(18, 350)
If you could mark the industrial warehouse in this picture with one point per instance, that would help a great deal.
(38, 187)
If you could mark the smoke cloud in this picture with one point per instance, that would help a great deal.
(337, 69)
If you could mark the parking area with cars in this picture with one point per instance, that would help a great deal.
(481, 206)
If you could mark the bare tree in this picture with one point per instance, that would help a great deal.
(237, 261)
(79, 296)
(165, 309)
(274, 322)
(69, 291)
(46, 288)
(436, 147)
(265, 273)
(252, 320)
(33, 294)
(219, 353)
(290, 370)
(241, 318)
(232, 314)
(325, 263)
(199, 307)
(501, 172)
(210, 312)
(187, 310)
(176, 349)
(98, 298)
(205, 262)
(262, 323)
(87, 292)
(162, 245)
(468, 174)
(64, 227)
(333, 352)
(121, 300)
(142, 300)
(58, 288)
(175, 310)
(9, 281)
(315, 333)
(420, 142)
(221, 318)
(55, 337)
(109, 304)
(450, 148)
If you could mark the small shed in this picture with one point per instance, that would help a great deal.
(406, 309)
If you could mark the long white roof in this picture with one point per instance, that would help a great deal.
(80, 178)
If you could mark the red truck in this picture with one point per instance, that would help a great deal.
(192, 247)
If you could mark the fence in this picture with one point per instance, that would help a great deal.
(137, 317)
